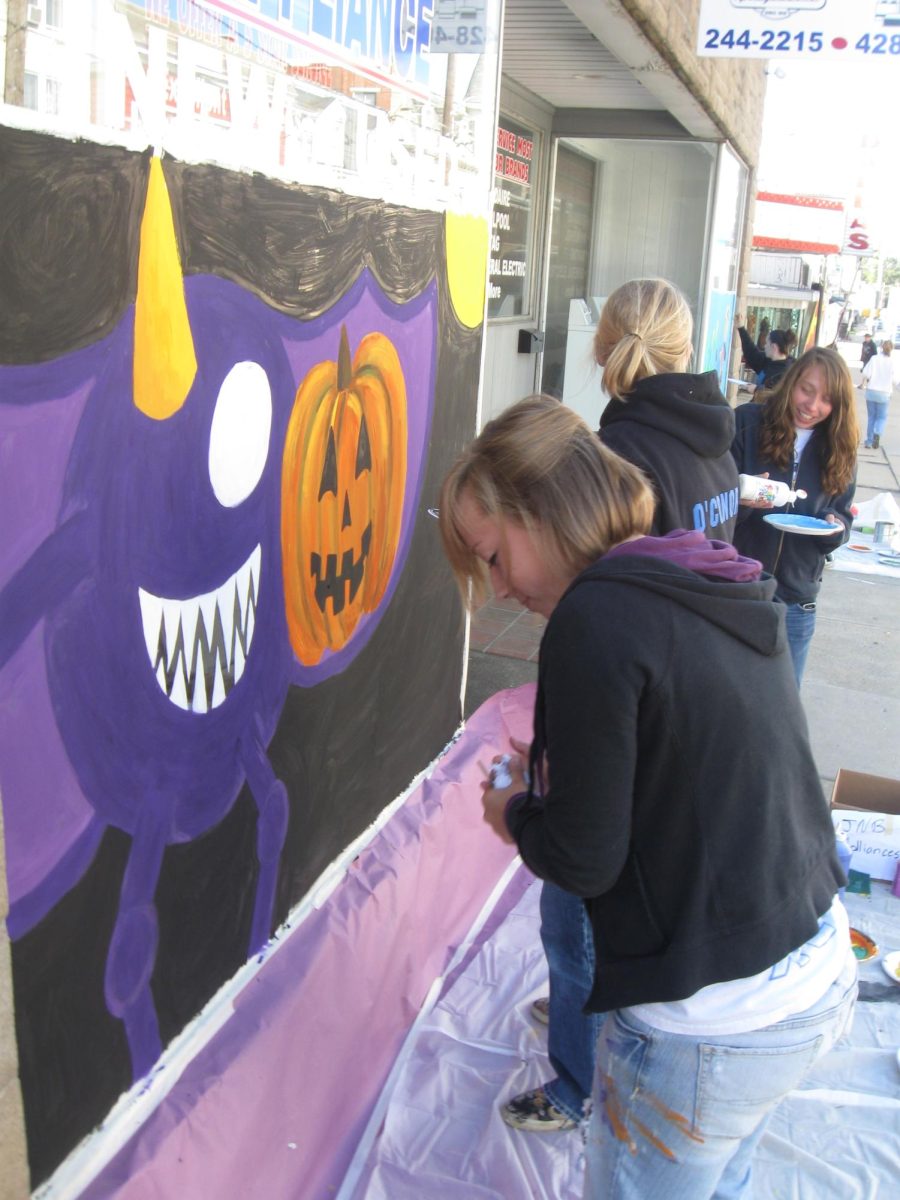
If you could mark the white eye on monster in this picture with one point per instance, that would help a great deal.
(239, 435)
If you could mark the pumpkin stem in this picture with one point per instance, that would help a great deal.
(344, 365)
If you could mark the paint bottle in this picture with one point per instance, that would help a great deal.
(500, 776)
(754, 487)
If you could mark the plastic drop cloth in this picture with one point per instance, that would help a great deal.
(273, 1106)
(442, 1137)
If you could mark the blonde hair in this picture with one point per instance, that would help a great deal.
(887, 346)
(645, 328)
(539, 466)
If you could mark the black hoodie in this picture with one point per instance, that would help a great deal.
(682, 801)
(757, 360)
(678, 429)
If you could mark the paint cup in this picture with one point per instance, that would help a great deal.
(896, 888)
(883, 531)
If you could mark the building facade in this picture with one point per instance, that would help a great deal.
(264, 266)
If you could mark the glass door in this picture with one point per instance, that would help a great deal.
(568, 329)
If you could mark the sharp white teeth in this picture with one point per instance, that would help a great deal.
(208, 614)
(198, 699)
(178, 694)
(242, 585)
(196, 666)
(172, 623)
(219, 692)
(151, 616)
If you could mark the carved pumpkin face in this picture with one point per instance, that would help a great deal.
(342, 485)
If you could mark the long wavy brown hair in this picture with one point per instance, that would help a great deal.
(777, 433)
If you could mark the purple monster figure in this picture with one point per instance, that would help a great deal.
(165, 639)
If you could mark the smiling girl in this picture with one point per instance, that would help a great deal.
(804, 435)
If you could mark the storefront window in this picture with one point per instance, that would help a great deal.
(721, 281)
(509, 286)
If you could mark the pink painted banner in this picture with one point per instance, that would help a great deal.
(274, 1105)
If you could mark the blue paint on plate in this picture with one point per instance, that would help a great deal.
(798, 523)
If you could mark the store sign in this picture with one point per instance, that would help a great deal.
(803, 224)
(835, 29)
(857, 237)
(511, 223)
(459, 27)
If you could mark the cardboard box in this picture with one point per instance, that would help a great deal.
(866, 811)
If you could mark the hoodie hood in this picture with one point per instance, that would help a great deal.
(706, 577)
(690, 408)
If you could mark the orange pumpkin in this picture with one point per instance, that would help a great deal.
(342, 484)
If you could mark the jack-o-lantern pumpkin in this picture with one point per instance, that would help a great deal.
(342, 484)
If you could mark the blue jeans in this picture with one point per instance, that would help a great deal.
(877, 408)
(571, 1036)
(801, 625)
(680, 1117)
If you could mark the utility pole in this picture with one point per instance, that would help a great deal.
(14, 67)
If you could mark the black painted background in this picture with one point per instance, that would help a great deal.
(69, 219)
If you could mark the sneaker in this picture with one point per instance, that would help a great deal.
(540, 1010)
(876, 440)
(533, 1113)
(867, 445)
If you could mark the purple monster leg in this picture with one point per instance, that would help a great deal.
(132, 949)
(271, 799)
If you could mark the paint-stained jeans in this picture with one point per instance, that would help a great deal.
(571, 1036)
(679, 1117)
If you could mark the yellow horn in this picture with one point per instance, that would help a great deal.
(164, 359)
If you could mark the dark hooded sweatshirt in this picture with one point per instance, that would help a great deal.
(681, 799)
(757, 360)
(796, 560)
(678, 429)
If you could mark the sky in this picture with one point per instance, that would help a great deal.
(826, 127)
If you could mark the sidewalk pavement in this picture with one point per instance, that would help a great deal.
(851, 688)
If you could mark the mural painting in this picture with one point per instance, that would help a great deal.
(225, 406)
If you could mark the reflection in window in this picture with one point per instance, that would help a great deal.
(30, 92)
(365, 96)
(51, 97)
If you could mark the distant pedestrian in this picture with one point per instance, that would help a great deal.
(881, 375)
(868, 349)
(771, 363)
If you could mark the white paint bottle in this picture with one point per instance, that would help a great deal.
(754, 487)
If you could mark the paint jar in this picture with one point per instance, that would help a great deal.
(896, 888)
(754, 487)
(883, 531)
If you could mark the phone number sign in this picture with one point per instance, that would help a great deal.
(459, 27)
(862, 30)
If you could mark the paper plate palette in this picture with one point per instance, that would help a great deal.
(798, 523)
(891, 964)
(863, 946)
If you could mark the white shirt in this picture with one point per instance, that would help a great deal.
(789, 987)
(882, 373)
